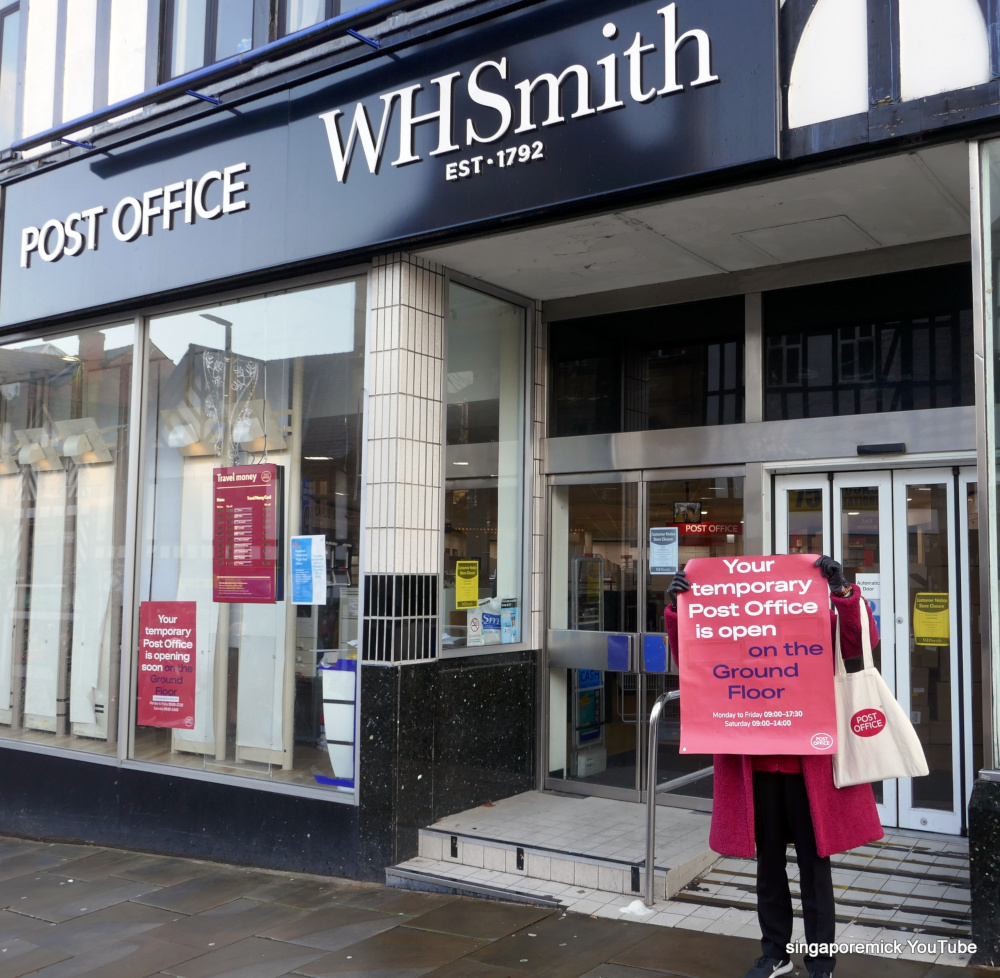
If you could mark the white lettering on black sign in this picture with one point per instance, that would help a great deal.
(133, 217)
(516, 107)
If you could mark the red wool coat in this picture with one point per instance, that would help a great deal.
(843, 818)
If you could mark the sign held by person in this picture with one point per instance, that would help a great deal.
(756, 667)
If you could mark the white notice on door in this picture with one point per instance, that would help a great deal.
(663, 550)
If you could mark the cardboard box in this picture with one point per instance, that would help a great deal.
(927, 657)
(940, 732)
(942, 693)
(938, 757)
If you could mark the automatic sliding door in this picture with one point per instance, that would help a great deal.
(927, 643)
(707, 516)
(863, 543)
(594, 715)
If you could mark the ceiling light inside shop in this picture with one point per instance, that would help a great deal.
(459, 463)
(317, 458)
(853, 514)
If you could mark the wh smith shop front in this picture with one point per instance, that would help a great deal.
(348, 424)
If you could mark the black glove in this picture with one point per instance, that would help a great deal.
(833, 572)
(678, 585)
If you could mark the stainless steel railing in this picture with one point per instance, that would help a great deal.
(652, 788)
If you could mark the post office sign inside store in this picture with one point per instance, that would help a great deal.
(539, 110)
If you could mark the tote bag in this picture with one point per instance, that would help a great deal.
(875, 739)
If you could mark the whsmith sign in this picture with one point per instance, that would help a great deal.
(551, 106)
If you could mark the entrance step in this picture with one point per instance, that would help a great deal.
(917, 884)
(559, 850)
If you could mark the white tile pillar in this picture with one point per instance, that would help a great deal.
(405, 384)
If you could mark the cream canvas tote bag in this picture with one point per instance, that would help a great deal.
(875, 739)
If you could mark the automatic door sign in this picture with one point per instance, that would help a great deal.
(756, 663)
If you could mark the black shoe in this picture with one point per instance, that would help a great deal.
(766, 967)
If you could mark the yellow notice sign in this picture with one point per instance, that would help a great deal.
(930, 619)
(467, 584)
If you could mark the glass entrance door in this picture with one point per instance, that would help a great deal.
(615, 543)
(904, 539)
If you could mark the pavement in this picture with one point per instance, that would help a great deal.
(71, 911)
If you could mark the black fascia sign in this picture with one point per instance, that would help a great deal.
(559, 104)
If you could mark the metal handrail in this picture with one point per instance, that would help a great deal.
(654, 740)
(653, 789)
(184, 84)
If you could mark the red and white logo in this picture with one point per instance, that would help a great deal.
(821, 741)
(867, 723)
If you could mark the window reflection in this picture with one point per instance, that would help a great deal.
(63, 470)
(484, 403)
(897, 342)
(250, 386)
(673, 367)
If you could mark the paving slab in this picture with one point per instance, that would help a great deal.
(334, 928)
(204, 892)
(402, 949)
(563, 945)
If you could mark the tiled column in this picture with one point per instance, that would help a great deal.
(403, 553)
(403, 556)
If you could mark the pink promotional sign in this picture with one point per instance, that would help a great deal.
(756, 663)
(167, 644)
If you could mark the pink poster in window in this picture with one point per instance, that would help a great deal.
(167, 664)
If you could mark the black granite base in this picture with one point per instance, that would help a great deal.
(437, 738)
(60, 798)
(984, 852)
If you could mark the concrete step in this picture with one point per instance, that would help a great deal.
(578, 846)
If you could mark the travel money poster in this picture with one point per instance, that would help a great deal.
(756, 661)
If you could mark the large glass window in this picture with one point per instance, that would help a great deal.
(887, 343)
(247, 619)
(483, 479)
(64, 403)
(673, 367)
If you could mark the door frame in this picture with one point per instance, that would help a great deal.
(957, 476)
(558, 639)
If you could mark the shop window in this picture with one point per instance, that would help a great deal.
(888, 343)
(64, 443)
(672, 367)
(483, 480)
(200, 32)
(10, 28)
(247, 619)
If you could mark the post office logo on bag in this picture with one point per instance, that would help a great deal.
(867, 723)
(822, 741)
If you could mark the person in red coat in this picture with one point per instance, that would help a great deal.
(760, 803)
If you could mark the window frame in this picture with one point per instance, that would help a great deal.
(263, 30)
(331, 9)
